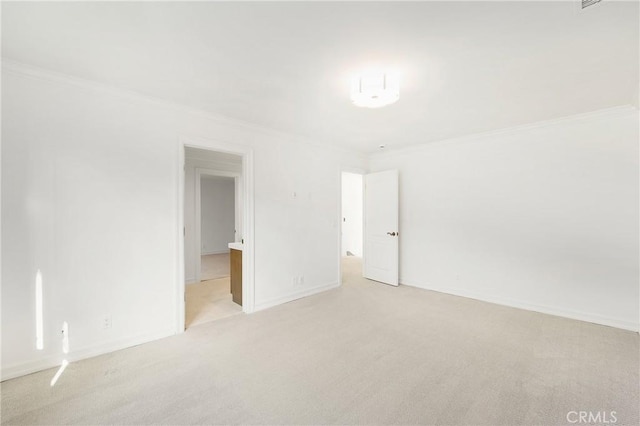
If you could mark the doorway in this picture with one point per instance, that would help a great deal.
(218, 222)
(351, 244)
(216, 213)
(369, 241)
(208, 296)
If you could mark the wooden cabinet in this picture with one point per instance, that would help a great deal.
(235, 258)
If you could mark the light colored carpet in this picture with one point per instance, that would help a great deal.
(214, 266)
(208, 301)
(364, 353)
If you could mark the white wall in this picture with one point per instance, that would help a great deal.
(218, 213)
(543, 217)
(192, 162)
(90, 197)
(352, 213)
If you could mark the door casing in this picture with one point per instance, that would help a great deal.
(248, 220)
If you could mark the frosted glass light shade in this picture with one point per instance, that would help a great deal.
(375, 89)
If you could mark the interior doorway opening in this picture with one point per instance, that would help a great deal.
(217, 225)
(213, 194)
(351, 244)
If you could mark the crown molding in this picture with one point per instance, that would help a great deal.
(35, 72)
(617, 111)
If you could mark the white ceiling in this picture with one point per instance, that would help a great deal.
(467, 66)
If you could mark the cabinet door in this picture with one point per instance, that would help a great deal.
(236, 276)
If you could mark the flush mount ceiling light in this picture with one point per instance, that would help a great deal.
(375, 89)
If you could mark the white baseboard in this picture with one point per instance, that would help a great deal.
(269, 303)
(190, 280)
(50, 361)
(204, 253)
(550, 310)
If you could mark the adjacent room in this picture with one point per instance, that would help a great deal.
(348, 213)
(212, 229)
(352, 224)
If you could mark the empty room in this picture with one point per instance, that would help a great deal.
(304, 213)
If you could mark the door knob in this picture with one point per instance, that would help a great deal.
(393, 234)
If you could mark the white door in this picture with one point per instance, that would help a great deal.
(381, 227)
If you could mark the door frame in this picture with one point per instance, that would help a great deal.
(357, 171)
(248, 220)
(237, 182)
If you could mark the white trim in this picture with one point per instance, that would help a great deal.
(50, 361)
(238, 208)
(206, 253)
(214, 165)
(619, 111)
(248, 273)
(549, 310)
(269, 303)
(180, 295)
(248, 236)
(213, 172)
(340, 227)
(199, 172)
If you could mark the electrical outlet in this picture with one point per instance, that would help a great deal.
(301, 280)
(107, 322)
